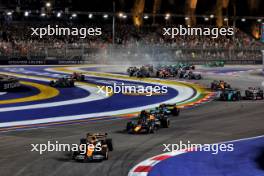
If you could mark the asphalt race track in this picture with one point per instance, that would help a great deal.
(208, 123)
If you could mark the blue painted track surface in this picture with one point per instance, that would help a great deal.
(65, 94)
(243, 161)
(115, 102)
(27, 91)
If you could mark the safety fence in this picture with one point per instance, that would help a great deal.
(80, 54)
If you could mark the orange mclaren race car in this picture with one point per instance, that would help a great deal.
(95, 147)
(219, 85)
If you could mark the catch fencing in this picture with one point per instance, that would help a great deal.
(118, 54)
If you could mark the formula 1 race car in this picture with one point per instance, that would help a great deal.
(230, 95)
(188, 67)
(78, 76)
(132, 71)
(95, 147)
(142, 125)
(144, 71)
(166, 109)
(254, 94)
(161, 121)
(166, 71)
(148, 122)
(215, 64)
(190, 75)
(163, 73)
(185, 66)
(62, 83)
(219, 85)
(8, 83)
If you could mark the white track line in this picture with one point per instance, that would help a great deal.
(92, 97)
(184, 94)
(85, 116)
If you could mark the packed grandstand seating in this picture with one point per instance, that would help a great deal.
(15, 39)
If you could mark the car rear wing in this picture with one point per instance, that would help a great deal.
(174, 104)
(98, 135)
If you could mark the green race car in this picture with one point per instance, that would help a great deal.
(215, 64)
(167, 109)
(230, 95)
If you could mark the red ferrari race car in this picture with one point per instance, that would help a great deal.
(78, 76)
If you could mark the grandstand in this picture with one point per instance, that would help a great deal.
(129, 43)
(121, 40)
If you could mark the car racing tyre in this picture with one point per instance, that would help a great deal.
(106, 156)
(83, 141)
(73, 155)
(175, 111)
(109, 144)
(85, 160)
(151, 130)
(166, 123)
(82, 78)
(52, 83)
(235, 97)
(129, 127)
(198, 77)
(222, 97)
(238, 97)
(72, 83)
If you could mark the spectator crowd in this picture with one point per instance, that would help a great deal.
(16, 39)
